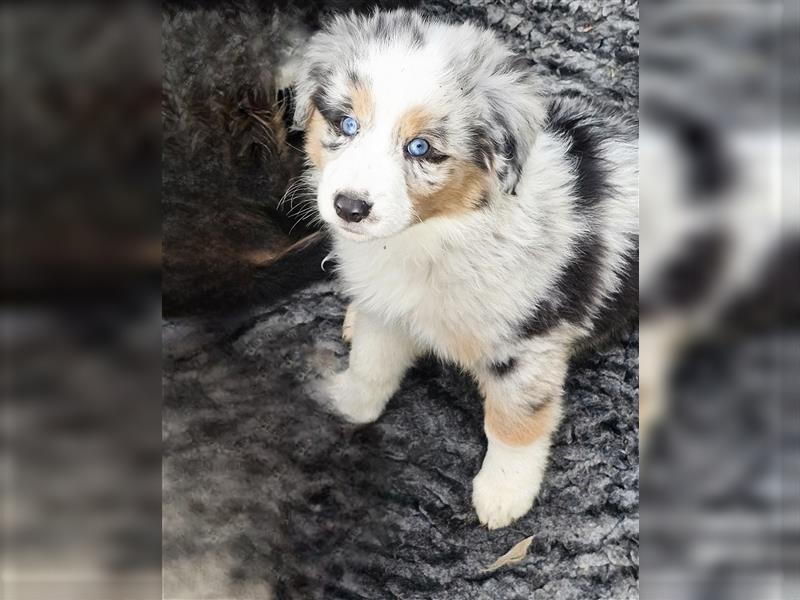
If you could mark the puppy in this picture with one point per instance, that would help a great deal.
(472, 218)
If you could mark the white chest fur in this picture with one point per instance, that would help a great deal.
(457, 289)
(460, 285)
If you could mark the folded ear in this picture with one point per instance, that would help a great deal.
(309, 80)
(322, 59)
(514, 112)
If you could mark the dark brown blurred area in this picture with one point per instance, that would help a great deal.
(233, 198)
(81, 247)
(82, 137)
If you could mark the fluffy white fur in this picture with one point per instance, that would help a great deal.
(508, 481)
(461, 284)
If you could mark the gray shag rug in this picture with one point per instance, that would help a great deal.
(267, 496)
(265, 493)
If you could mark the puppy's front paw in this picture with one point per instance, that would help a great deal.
(508, 482)
(356, 400)
(498, 500)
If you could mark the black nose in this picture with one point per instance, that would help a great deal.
(351, 208)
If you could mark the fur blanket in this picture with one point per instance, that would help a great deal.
(267, 496)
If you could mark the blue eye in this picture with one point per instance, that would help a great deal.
(349, 126)
(418, 147)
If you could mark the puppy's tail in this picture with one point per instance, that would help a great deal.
(258, 278)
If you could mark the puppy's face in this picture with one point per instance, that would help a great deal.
(385, 151)
(402, 127)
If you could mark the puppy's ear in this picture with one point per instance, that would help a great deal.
(308, 82)
(322, 59)
(514, 114)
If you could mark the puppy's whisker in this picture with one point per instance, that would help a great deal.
(295, 184)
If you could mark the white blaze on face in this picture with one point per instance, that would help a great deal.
(371, 164)
(366, 168)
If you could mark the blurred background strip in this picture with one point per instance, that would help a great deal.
(719, 294)
(80, 312)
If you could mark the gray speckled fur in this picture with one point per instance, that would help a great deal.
(266, 495)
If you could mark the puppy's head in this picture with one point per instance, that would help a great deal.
(407, 120)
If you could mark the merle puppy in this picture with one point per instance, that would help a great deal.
(472, 218)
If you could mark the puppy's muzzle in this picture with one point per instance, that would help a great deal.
(350, 207)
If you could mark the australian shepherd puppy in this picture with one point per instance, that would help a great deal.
(472, 218)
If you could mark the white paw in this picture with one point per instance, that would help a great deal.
(508, 482)
(500, 501)
(356, 400)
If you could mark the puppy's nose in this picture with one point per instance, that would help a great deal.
(350, 207)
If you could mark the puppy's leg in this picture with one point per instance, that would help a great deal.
(660, 343)
(522, 410)
(379, 357)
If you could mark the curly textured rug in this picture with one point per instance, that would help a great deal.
(262, 488)
(267, 496)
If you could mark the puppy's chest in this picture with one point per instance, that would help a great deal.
(445, 303)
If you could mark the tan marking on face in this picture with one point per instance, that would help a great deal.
(464, 190)
(361, 99)
(464, 187)
(412, 123)
(314, 131)
(520, 427)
